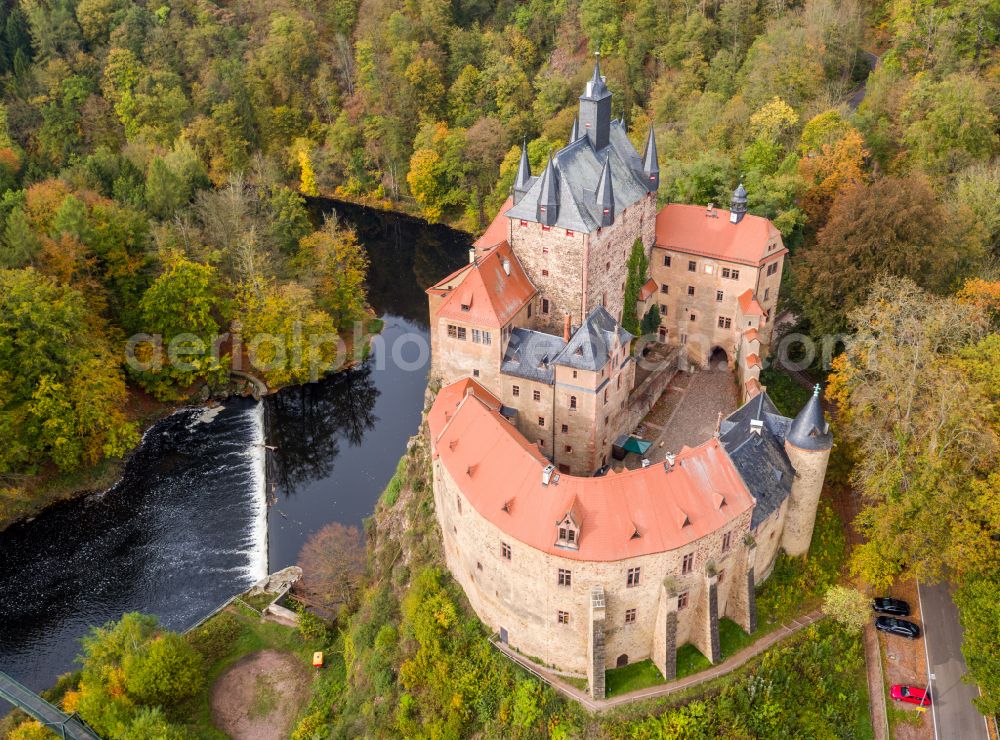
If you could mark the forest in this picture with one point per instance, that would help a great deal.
(155, 158)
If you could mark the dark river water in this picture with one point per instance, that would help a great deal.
(190, 523)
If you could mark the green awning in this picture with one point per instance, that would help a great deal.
(636, 445)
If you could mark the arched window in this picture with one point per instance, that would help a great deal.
(572, 402)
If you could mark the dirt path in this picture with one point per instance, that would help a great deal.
(258, 697)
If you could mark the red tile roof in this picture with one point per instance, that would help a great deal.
(753, 360)
(483, 294)
(687, 228)
(749, 305)
(498, 230)
(647, 289)
(500, 474)
(751, 334)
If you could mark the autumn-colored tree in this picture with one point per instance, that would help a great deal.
(334, 265)
(332, 562)
(836, 168)
(920, 410)
(893, 226)
(848, 606)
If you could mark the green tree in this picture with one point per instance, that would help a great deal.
(334, 265)
(289, 221)
(164, 673)
(164, 190)
(638, 269)
(848, 606)
(180, 307)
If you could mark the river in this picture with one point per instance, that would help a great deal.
(189, 525)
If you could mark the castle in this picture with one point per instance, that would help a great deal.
(588, 571)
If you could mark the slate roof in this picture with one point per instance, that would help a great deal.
(577, 169)
(590, 346)
(809, 430)
(531, 355)
(760, 458)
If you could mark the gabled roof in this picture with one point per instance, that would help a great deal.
(531, 355)
(498, 230)
(578, 169)
(688, 228)
(760, 457)
(482, 293)
(670, 508)
(591, 345)
(749, 305)
(647, 289)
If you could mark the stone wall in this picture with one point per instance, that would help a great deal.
(522, 594)
(553, 259)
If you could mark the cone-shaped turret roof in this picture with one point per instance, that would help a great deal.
(809, 430)
(595, 86)
(523, 170)
(738, 205)
(605, 195)
(575, 133)
(650, 161)
(548, 198)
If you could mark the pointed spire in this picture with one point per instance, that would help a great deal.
(522, 181)
(650, 163)
(548, 195)
(596, 87)
(606, 195)
(809, 430)
(575, 133)
(738, 205)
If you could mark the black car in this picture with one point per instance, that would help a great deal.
(895, 607)
(899, 627)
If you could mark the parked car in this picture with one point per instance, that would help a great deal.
(895, 607)
(910, 694)
(900, 627)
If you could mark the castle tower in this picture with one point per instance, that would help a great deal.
(595, 110)
(807, 443)
(738, 205)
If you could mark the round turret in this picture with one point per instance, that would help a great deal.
(809, 430)
(738, 205)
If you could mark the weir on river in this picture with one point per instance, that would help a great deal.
(188, 525)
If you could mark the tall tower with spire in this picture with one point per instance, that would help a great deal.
(808, 443)
(523, 179)
(651, 163)
(595, 109)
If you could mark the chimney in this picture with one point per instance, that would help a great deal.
(472, 255)
(547, 472)
(669, 458)
(567, 328)
(756, 426)
(506, 266)
(710, 211)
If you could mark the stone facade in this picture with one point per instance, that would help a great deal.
(810, 470)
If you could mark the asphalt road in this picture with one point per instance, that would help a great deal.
(954, 714)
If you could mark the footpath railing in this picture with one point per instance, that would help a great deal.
(66, 726)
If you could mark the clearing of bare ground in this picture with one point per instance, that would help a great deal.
(259, 696)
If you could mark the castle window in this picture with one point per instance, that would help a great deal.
(545, 250)
(736, 274)
(684, 338)
(536, 395)
(487, 337)
(545, 273)
(574, 373)
(505, 551)
(725, 322)
(687, 564)
(523, 222)
(718, 295)
(572, 402)
(666, 260)
(565, 429)
(682, 600)
(630, 616)
(477, 336)
(452, 331)
(479, 566)
(607, 265)
(541, 421)
(568, 448)
(692, 266)
(458, 503)
(632, 579)
(772, 268)
(727, 541)
(567, 533)
(565, 577)
(529, 310)
(545, 305)
(461, 333)
(605, 395)
(475, 373)
(541, 442)
(546, 228)
(693, 317)
(515, 390)
(766, 292)
(690, 290)
(569, 233)
(663, 310)
(664, 289)
(563, 617)
(725, 272)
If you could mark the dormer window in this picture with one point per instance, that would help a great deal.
(568, 533)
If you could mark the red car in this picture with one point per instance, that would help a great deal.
(910, 694)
